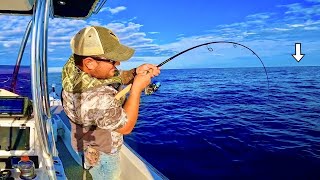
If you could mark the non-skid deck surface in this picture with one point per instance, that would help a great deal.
(72, 169)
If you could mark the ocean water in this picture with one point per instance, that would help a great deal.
(227, 123)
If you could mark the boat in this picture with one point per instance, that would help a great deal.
(38, 128)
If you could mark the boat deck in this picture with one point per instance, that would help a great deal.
(71, 167)
(131, 163)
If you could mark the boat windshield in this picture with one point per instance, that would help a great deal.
(22, 86)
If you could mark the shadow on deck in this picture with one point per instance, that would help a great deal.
(72, 169)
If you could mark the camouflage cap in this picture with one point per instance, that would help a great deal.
(100, 41)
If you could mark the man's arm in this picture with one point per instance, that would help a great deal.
(143, 78)
(131, 107)
(127, 76)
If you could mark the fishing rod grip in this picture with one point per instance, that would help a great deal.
(123, 92)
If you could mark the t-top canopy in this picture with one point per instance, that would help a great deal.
(61, 8)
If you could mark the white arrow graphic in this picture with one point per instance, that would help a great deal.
(298, 56)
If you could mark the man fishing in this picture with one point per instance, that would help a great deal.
(90, 83)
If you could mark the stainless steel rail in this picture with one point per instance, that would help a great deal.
(99, 5)
(20, 55)
(35, 71)
(44, 65)
(37, 64)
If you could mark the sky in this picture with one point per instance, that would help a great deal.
(158, 30)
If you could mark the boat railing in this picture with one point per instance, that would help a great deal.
(20, 55)
(99, 5)
(44, 61)
(39, 79)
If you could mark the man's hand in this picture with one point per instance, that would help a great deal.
(144, 74)
(143, 78)
(141, 81)
(148, 68)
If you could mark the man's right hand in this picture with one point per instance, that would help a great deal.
(141, 81)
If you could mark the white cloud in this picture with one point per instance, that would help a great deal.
(136, 35)
(309, 24)
(60, 38)
(10, 43)
(153, 32)
(128, 27)
(115, 26)
(262, 30)
(146, 46)
(117, 9)
(272, 25)
(114, 10)
(311, 28)
(298, 10)
(185, 42)
(248, 33)
(55, 69)
(61, 31)
(129, 33)
(57, 59)
(260, 16)
(233, 25)
(59, 43)
(104, 9)
(256, 22)
(279, 29)
(316, 1)
(95, 23)
(12, 30)
(138, 60)
(296, 25)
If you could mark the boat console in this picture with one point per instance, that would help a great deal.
(17, 133)
(15, 107)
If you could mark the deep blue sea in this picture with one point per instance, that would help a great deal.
(227, 123)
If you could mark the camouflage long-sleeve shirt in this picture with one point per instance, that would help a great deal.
(95, 115)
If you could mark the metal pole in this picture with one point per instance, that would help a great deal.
(36, 59)
(99, 5)
(44, 65)
(19, 58)
(35, 70)
(48, 12)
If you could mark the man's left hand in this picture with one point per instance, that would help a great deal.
(148, 68)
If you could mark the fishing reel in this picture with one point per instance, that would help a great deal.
(151, 88)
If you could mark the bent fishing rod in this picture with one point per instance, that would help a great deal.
(235, 44)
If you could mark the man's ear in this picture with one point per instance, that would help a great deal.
(89, 63)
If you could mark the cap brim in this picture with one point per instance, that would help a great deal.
(120, 53)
